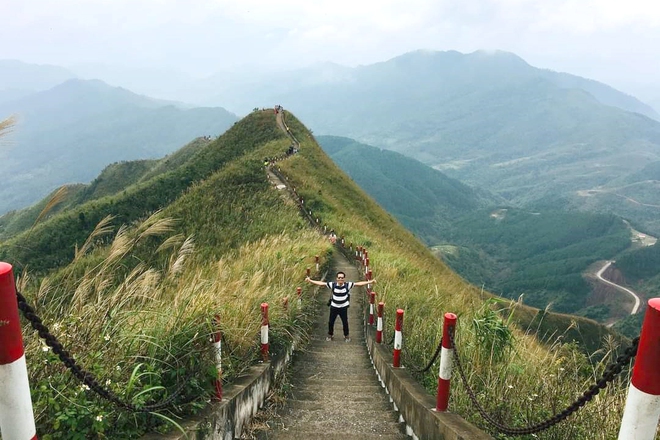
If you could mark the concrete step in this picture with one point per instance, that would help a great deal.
(332, 371)
(340, 412)
(359, 377)
(322, 346)
(377, 404)
(333, 363)
(306, 435)
(345, 363)
(316, 422)
(343, 392)
(319, 381)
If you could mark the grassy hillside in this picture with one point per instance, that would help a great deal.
(135, 303)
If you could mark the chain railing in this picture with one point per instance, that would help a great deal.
(430, 363)
(88, 378)
(608, 376)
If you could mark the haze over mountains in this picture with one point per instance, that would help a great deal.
(533, 137)
(68, 133)
(493, 121)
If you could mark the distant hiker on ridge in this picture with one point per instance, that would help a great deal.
(340, 301)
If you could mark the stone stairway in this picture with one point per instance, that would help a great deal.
(334, 391)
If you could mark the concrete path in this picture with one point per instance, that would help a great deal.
(334, 392)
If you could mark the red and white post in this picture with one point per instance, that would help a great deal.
(370, 276)
(398, 339)
(217, 346)
(16, 415)
(366, 265)
(372, 305)
(446, 363)
(299, 293)
(379, 323)
(264, 331)
(642, 411)
(317, 263)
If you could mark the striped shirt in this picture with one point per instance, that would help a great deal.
(340, 294)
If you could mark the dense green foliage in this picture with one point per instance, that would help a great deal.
(423, 199)
(513, 252)
(640, 264)
(540, 255)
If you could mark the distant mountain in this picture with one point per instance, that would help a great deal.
(15, 74)
(492, 121)
(18, 78)
(70, 132)
(242, 91)
(157, 82)
(655, 103)
(603, 93)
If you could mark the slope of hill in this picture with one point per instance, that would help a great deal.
(423, 199)
(112, 297)
(70, 132)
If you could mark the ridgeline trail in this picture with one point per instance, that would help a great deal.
(333, 390)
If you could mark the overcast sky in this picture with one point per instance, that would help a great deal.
(614, 41)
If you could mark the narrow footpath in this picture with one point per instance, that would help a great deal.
(334, 391)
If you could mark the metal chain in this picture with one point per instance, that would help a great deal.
(609, 374)
(85, 376)
(430, 364)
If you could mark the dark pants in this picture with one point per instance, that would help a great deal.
(342, 312)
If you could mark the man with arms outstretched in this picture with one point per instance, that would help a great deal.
(340, 301)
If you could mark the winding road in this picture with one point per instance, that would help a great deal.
(599, 275)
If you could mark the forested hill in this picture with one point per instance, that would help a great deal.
(425, 200)
(540, 255)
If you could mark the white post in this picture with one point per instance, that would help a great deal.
(642, 411)
(16, 415)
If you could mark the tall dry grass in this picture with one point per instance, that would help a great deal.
(115, 310)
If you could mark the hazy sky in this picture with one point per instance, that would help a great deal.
(615, 41)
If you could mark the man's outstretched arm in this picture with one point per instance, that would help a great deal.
(364, 283)
(318, 283)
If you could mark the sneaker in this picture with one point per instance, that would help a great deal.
(328, 338)
(347, 339)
